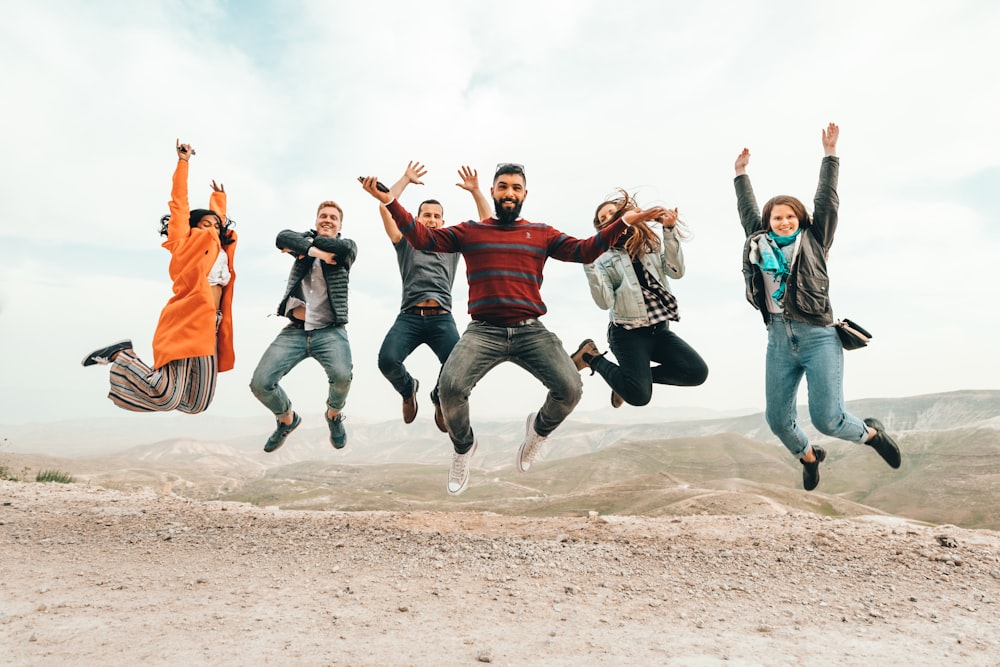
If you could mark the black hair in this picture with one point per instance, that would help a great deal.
(510, 168)
(225, 237)
(429, 201)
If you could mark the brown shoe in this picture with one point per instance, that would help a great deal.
(616, 400)
(587, 348)
(410, 404)
(439, 418)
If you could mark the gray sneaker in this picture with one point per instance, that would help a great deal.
(281, 432)
(458, 476)
(531, 448)
(338, 434)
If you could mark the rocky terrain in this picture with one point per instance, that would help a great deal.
(93, 576)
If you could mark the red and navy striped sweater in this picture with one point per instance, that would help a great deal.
(504, 263)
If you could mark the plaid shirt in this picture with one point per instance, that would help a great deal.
(661, 305)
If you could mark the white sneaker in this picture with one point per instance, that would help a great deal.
(458, 476)
(531, 448)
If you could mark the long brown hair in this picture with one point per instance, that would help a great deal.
(641, 239)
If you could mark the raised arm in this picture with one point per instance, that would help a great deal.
(830, 136)
(826, 203)
(180, 211)
(414, 172)
(746, 202)
(217, 200)
(391, 230)
(470, 183)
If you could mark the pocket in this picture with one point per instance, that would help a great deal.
(812, 302)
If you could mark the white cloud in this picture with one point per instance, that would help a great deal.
(287, 103)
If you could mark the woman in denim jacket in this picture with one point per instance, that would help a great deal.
(784, 266)
(630, 281)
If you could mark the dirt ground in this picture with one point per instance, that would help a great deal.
(99, 577)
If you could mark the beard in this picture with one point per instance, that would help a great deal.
(506, 216)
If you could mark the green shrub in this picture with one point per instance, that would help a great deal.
(54, 476)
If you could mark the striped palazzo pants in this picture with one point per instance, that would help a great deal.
(186, 385)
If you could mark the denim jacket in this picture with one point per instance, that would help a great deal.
(807, 291)
(615, 287)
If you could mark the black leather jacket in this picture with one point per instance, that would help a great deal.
(336, 275)
(807, 290)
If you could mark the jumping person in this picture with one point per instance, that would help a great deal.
(504, 256)
(193, 341)
(315, 303)
(630, 282)
(784, 266)
(425, 315)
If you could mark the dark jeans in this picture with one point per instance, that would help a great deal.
(408, 333)
(636, 349)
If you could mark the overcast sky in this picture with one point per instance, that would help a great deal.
(288, 102)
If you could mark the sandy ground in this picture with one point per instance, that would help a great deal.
(99, 577)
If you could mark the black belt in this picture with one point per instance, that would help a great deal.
(294, 323)
(510, 325)
(426, 310)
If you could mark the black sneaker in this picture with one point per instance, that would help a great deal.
(103, 355)
(277, 438)
(810, 471)
(338, 434)
(884, 444)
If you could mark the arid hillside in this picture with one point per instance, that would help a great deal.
(94, 576)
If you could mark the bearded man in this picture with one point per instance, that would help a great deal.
(504, 256)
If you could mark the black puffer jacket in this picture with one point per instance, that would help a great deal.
(807, 291)
(337, 275)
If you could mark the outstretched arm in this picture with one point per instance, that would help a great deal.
(414, 172)
(368, 184)
(217, 201)
(830, 136)
(470, 183)
(391, 230)
(180, 211)
(742, 161)
(746, 203)
(826, 202)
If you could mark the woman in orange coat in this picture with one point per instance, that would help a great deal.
(194, 337)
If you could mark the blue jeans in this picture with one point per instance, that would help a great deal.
(635, 349)
(483, 347)
(795, 349)
(408, 333)
(328, 346)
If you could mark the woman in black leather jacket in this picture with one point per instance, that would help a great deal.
(784, 265)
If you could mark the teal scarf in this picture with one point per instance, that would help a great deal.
(772, 259)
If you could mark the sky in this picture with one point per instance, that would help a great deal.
(288, 102)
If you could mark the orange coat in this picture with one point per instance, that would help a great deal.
(187, 323)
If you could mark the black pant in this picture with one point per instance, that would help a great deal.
(636, 349)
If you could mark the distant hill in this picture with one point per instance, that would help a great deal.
(731, 465)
